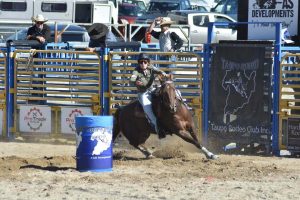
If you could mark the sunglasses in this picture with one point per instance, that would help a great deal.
(39, 22)
(143, 61)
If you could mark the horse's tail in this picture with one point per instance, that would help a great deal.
(116, 128)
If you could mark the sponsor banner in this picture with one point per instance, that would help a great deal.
(285, 11)
(68, 118)
(35, 119)
(239, 104)
(293, 130)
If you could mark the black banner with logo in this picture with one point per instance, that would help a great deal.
(239, 100)
(293, 130)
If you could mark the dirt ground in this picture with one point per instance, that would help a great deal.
(46, 171)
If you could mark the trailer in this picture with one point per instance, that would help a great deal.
(80, 12)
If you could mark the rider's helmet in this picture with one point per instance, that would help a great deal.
(143, 56)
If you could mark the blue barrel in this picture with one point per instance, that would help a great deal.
(94, 143)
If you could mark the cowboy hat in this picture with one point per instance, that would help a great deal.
(97, 30)
(39, 18)
(166, 20)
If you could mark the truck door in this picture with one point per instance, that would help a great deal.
(198, 28)
(102, 13)
(83, 12)
(224, 32)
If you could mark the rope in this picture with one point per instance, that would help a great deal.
(29, 67)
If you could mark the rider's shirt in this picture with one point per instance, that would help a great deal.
(145, 76)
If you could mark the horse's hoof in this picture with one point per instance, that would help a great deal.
(150, 156)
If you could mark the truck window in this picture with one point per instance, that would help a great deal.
(231, 7)
(13, 6)
(200, 20)
(83, 13)
(219, 7)
(221, 19)
(54, 7)
(163, 6)
(185, 5)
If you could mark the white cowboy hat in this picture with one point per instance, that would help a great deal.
(166, 20)
(39, 18)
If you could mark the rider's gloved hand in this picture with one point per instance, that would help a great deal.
(164, 74)
(139, 83)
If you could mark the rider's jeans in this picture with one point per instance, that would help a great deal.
(146, 101)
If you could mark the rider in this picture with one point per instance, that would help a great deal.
(143, 78)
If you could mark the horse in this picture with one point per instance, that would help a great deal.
(172, 114)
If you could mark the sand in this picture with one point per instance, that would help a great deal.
(47, 171)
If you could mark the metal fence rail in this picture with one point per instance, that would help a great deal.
(57, 79)
(62, 77)
(289, 94)
(2, 90)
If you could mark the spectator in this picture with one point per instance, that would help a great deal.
(39, 31)
(168, 41)
(99, 35)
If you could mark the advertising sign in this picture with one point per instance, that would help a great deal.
(68, 115)
(239, 102)
(35, 119)
(293, 132)
(285, 11)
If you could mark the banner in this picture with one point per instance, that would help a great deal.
(293, 133)
(68, 115)
(239, 102)
(285, 11)
(36, 119)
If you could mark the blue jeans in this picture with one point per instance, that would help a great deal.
(145, 99)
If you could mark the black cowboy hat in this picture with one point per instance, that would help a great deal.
(97, 30)
(143, 56)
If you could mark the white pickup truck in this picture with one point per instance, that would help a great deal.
(198, 26)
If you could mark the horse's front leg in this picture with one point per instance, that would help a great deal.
(186, 136)
(145, 151)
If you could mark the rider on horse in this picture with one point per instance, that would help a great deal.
(143, 78)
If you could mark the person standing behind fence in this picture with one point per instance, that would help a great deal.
(39, 31)
(99, 36)
(168, 41)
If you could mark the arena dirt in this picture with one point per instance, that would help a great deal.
(45, 171)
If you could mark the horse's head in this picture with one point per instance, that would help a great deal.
(168, 93)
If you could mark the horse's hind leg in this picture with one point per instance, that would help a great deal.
(186, 136)
(145, 151)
